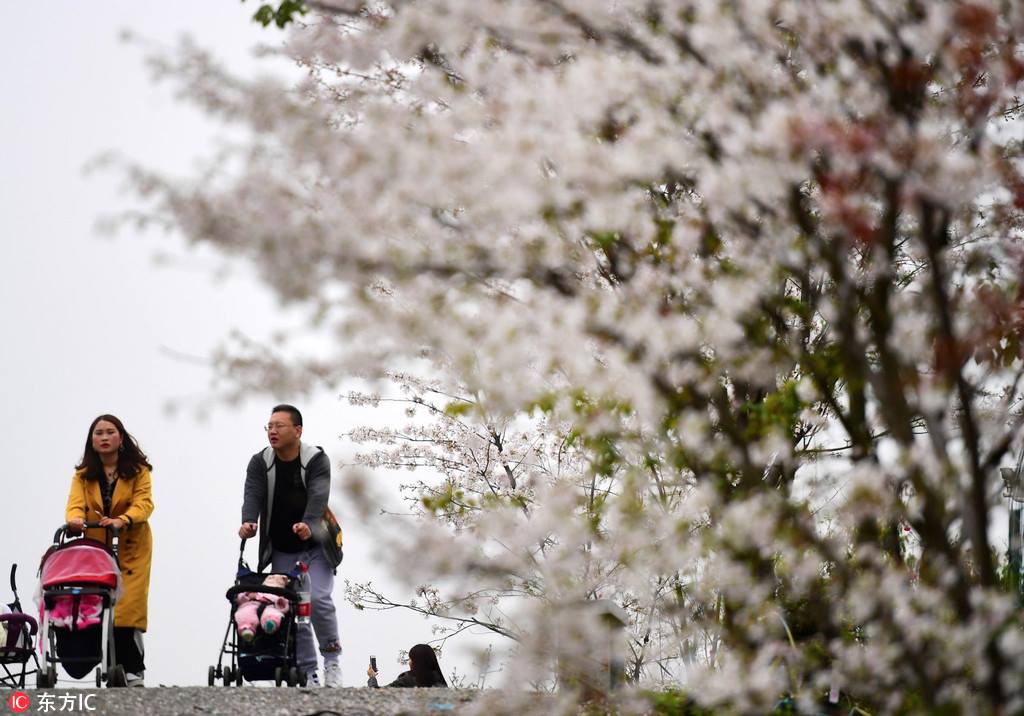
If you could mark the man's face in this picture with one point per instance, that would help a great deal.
(281, 432)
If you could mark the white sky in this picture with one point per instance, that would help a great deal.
(87, 319)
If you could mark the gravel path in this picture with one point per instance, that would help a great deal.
(205, 701)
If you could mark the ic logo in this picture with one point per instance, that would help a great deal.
(19, 702)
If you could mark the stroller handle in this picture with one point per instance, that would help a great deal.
(94, 525)
(65, 529)
(16, 604)
(242, 566)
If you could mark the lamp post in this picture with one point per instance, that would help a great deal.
(1013, 490)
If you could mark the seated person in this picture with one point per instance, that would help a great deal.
(257, 609)
(423, 670)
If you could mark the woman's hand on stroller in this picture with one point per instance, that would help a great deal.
(77, 525)
(116, 522)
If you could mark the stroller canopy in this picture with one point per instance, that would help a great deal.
(80, 562)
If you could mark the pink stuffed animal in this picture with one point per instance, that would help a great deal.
(257, 609)
(89, 609)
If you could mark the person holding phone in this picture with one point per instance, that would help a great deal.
(424, 671)
(112, 486)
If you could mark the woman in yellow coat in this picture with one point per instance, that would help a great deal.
(112, 486)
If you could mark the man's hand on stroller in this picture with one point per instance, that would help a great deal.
(247, 530)
(302, 530)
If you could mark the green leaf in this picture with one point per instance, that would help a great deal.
(264, 16)
(457, 408)
(284, 14)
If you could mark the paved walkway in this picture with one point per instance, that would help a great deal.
(220, 701)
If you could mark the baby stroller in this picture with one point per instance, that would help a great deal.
(79, 584)
(268, 656)
(16, 643)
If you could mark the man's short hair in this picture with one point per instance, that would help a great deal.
(296, 416)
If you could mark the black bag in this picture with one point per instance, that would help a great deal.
(332, 542)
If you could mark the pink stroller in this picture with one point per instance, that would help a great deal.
(80, 580)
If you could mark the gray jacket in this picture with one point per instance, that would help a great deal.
(258, 499)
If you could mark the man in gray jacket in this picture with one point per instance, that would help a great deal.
(286, 491)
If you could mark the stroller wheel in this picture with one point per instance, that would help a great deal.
(278, 676)
(293, 676)
(303, 679)
(228, 676)
(99, 677)
(211, 676)
(116, 678)
(238, 676)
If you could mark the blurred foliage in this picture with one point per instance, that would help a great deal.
(285, 12)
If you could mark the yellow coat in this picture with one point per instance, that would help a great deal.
(132, 498)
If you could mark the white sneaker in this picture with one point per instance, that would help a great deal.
(312, 680)
(332, 675)
(135, 679)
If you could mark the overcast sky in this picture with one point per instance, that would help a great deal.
(91, 324)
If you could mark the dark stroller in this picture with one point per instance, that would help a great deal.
(17, 645)
(79, 584)
(268, 656)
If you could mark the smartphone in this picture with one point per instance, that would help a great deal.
(373, 663)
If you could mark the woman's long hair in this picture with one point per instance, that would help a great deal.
(130, 458)
(425, 668)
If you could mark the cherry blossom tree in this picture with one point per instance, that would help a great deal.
(761, 259)
(494, 466)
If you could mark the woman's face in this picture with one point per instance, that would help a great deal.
(106, 438)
